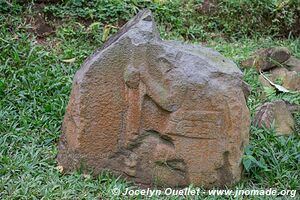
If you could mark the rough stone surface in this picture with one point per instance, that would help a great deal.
(277, 112)
(293, 108)
(266, 59)
(157, 112)
(293, 64)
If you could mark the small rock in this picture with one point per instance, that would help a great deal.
(290, 79)
(279, 54)
(277, 112)
(266, 59)
(293, 64)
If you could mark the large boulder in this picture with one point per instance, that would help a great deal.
(158, 112)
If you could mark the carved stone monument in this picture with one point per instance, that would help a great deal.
(158, 112)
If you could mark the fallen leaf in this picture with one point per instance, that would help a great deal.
(69, 60)
(60, 168)
(106, 33)
(87, 176)
(95, 24)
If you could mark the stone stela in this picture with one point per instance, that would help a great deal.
(157, 112)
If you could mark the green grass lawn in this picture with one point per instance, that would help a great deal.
(35, 83)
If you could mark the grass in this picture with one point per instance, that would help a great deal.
(35, 83)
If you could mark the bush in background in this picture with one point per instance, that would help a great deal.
(195, 19)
